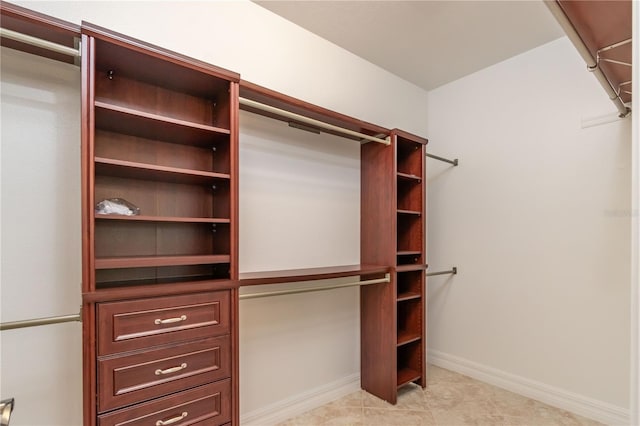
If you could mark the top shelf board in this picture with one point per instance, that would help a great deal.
(287, 103)
(310, 274)
(152, 64)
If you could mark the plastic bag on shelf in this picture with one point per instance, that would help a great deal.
(117, 206)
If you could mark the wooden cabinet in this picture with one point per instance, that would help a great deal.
(159, 131)
(393, 332)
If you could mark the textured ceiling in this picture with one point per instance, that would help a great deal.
(428, 43)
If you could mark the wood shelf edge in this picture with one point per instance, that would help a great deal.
(105, 104)
(141, 218)
(154, 290)
(407, 375)
(152, 168)
(156, 261)
(310, 274)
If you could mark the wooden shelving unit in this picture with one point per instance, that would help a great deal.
(393, 232)
(160, 131)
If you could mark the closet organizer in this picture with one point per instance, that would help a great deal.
(160, 289)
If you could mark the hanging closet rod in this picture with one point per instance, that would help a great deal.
(454, 161)
(39, 321)
(311, 121)
(452, 271)
(592, 65)
(38, 42)
(386, 279)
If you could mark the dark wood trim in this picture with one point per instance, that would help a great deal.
(151, 261)
(38, 25)
(142, 291)
(86, 165)
(411, 136)
(234, 172)
(309, 274)
(141, 218)
(156, 51)
(275, 99)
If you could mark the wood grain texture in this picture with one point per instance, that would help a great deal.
(310, 274)
(141, 376)
(151, 261)
(378, 246)
(153, 63)
(144, 291)
(208, 404)
(131, 324)
(120, 119)
(89, 384)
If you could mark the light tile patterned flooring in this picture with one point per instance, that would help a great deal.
(449, 399)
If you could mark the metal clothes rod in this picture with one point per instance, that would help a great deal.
(454, 161)
(452, 271)
(592, 64)
(39, 321)
(38, 42)
(311, 121)
(386, 279)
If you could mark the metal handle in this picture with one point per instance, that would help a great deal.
(173, 420)
(170, 320)
(171, 370)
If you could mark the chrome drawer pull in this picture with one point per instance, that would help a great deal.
(173, 420)
(170, 320)
(171, 370)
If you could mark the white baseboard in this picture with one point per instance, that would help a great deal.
(575, 403)
(295, 405)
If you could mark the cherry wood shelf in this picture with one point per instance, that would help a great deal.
(135, 170)
(407, 268)
(192, 285)
(309, 274)
(407, 375)
(410, 177)
(151, 261)
(409, 295)
(133, 122)
(405, 337)
(410, 212)
(140, 218)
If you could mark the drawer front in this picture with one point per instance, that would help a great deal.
(138, 377)
(206, 405)
(141, 323)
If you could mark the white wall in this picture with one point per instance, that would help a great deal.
(536, 217)
(299, 192)
(40, 237)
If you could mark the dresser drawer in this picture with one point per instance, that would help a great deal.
(205, 405)
(141, 323)
(128, 379)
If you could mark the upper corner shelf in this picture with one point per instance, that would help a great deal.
(145, 62)
(309, 274)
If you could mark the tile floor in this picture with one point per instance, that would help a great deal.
(450, 399)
